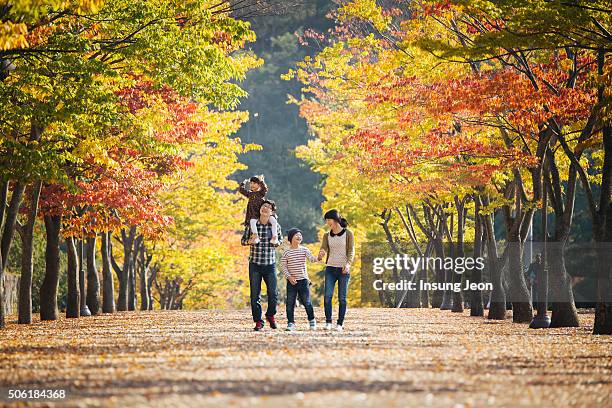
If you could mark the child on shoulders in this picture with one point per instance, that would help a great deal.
(257, 195)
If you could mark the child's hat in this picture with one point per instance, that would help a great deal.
(291, 233)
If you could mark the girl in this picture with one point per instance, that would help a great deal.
(339, 245)
(256, 196)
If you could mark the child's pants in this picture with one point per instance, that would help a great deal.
(253, 223)
(293, 291)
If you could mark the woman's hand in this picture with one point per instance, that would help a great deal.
(321, 254)
(347, 269)
(292, 280)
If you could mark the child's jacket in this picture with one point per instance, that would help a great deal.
(256, 199)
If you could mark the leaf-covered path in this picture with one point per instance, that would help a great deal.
(385, 357)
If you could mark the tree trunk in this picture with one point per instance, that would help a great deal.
(143, 267)
(7, 229)
(131, 286)
(603, 309)
(73, 302)
(438, 294)
(446, 277)
(561, 295)
(125, 277)
(10, 287)
(27, 236)
(518, 294)
(122, 297)
(424, 293)
(150, 280)
(11, 221)
(459, 253)
(476, 303)
(108, 295)
(3, 194)
(48, 289)
(80, 245)
(93, 281)
(457, 295)
(564, 312)
(497, 307)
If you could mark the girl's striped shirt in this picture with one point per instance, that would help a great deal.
(293, 262)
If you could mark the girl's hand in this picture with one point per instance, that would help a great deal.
(292, 280)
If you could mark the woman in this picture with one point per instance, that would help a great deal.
(339, 245)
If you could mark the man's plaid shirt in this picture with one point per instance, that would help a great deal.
(263, 253)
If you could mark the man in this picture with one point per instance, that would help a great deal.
(532, 277)
(262, 264)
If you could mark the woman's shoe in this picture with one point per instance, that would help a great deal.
(313, 324)
(290, 327)
(339, 327)
(328, 326)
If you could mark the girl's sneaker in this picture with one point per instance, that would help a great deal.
(290, 327)
(313, 324)
(328, 326)
(339, 327)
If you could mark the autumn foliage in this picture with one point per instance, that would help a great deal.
(433, 106)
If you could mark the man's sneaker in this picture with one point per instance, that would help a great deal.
(290, 327)
(258, 325)
(328, 326)
(272, 322)
(339, 327)
(274, 240)
(313, 324)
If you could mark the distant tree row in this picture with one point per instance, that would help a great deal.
(433, 117)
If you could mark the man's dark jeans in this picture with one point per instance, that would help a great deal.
(268, 274)
(333, 275)
(301, 290)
